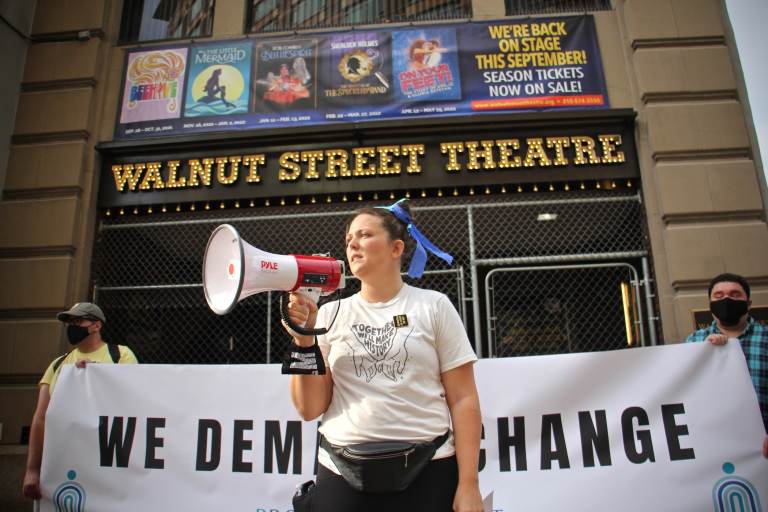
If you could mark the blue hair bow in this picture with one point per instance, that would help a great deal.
(419, 259)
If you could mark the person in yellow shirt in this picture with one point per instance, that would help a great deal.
(84, 322)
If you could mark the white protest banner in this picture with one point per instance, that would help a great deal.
(665, 428)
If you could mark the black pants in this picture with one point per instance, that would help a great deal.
(432, 491)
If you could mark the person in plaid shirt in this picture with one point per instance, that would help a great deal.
(729, 302)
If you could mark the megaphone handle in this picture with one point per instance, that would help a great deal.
(312, 294)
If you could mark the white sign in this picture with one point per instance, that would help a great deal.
(665, 428)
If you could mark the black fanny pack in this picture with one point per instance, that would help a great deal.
(384, 466)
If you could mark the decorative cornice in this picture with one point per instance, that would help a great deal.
(36, 252)
(675, 42)
(31, 314)
(53, 85)
(19, 380)
(682, 96)
(702, 154)
(676, 219)
(40, 193)
(68, 35)
(36, 138)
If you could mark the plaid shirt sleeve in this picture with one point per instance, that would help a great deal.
(754, 343)
(701, 334)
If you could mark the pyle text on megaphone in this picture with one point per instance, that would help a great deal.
(233, 270)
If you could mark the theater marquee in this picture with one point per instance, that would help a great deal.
(476, 156)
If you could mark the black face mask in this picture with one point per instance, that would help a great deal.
(76, 334)
(729, 311)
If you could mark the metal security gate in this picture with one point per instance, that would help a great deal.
(147, 269)
(562, 309)
(250, 333)
(149, 283)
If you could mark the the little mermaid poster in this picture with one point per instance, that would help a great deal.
(218, 80)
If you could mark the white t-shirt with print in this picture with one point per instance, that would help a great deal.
(386, 378)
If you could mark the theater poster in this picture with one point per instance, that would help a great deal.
(357, 69)
(532, 64)
(285, 76)
(426, 65)
(218, 80)
(460, 69)
(152, 91)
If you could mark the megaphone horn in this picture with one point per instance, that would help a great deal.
(233, 270)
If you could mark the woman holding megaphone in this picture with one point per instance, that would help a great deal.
(401, 414)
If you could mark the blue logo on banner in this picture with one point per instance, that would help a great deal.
(69, 496)
(735, 494)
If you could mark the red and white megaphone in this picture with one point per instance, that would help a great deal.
(233, 270)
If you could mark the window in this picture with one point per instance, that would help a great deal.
(306, 12)
(279, 15)
(521, 7)
(152, 20)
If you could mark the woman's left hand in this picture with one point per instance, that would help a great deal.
(468, 498)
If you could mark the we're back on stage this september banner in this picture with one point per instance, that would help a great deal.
(539, 64)
(503, 66)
